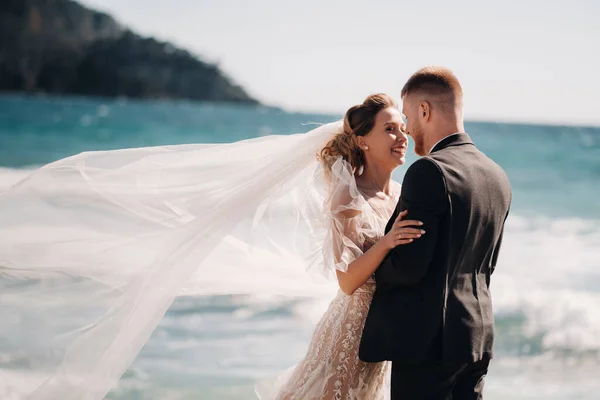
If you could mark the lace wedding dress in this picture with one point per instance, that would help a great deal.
(331, 368)
(94, 248)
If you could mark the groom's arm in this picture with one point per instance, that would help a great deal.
(494, 259)
(425, 197)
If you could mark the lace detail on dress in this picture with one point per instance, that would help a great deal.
(331, 369)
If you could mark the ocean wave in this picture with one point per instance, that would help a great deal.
(548, 282)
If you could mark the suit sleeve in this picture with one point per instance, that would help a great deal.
(494, 259)
(425, 197)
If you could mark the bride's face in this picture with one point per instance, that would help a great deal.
(387, 141)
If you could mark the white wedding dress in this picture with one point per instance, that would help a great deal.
(331, 369)
(94, 248)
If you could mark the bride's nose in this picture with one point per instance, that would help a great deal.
(402, 137)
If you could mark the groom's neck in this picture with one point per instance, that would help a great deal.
(442, 129)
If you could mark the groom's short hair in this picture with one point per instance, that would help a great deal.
(434, 81)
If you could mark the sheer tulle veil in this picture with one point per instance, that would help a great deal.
(95, 247)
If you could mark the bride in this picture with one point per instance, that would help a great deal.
(358, 164)
(94, 249)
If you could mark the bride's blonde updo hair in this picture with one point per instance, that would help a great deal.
(359, 121)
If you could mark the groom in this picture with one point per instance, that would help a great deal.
(431, 314)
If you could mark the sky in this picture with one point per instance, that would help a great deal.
(517, 60)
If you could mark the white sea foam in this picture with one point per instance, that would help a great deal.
(549, 273)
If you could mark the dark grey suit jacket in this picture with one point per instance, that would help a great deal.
(433, 302)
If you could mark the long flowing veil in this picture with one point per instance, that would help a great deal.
(95, 247)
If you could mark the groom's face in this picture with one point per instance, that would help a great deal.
(414, 128)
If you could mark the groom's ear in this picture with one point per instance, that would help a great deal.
(425, 110)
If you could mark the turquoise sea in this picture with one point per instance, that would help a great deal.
(546, 289)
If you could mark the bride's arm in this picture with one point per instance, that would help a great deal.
(361, 269)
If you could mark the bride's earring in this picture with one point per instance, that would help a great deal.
(366, 147)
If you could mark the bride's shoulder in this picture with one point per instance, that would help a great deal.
(346, 201)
